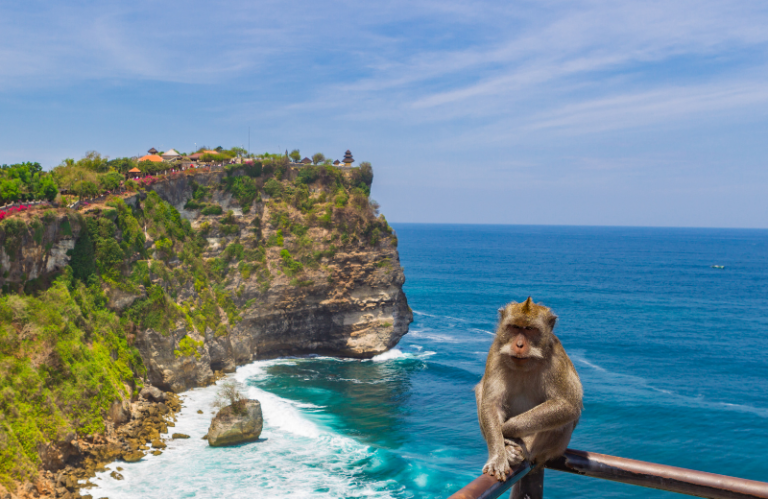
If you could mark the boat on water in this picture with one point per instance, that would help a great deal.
(718, 266)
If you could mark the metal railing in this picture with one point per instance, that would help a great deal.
(529, 482)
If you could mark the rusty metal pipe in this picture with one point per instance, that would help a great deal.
(487, 487)
(658, 476)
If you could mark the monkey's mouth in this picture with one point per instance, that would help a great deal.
(519, 359)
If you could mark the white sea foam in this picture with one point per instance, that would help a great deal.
(396, 354)
(294, 457)
(389, 355)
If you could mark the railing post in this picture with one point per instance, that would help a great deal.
(531, 486)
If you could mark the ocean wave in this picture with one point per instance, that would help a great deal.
(295, 457)
(396, 354)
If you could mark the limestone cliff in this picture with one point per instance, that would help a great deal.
(250, 267)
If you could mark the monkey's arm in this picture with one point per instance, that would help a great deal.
(491, 418)
(550, 415)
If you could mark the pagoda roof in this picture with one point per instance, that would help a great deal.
(306, 161)
(171, 152)
(134, 170)
(152, 150)
(337, 162)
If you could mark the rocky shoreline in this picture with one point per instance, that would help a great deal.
(136, 429)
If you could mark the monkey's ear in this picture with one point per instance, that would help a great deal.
(552, 320)
(502, 312)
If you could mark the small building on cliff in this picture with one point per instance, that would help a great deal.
(348, 159)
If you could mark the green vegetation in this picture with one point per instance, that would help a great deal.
(25, 182)
(189, 347)
(66, 357)
(212, 210)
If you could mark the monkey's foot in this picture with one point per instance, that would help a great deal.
(516, 453)
(498, 466)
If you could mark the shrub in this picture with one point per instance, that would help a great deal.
(273, 188)
(189, 347)
(212, 210)
(229, 229)
(308, 174)
(276, 239)
(341, 200)
(290, 266)
(14, 235)
(229, 395)
(253, 169)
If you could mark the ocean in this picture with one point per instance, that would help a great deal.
(672, 354)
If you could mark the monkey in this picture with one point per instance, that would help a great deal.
(530, 398)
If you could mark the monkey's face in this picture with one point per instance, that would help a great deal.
(521, 344)
(524, 337)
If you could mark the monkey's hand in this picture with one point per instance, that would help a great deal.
(516, 451)
(498, 466)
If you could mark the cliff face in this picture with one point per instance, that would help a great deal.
(351, 304)
(308, 270)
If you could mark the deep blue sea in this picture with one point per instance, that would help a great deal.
(672, 353)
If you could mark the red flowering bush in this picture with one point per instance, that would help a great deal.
(13, 209)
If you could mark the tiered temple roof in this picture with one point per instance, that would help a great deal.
(348, 159)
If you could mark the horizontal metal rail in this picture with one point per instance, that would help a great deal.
(488, 487)
(641, 473)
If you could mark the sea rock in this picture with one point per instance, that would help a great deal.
(230, 427)
(133, 456)
(152, 393)
(179, 435)
(120, 412)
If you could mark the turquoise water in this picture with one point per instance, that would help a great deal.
(673, 355)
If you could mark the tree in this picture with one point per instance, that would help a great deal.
(366, 173)
(94, 161)
(47, 188)
(110, 181)
(10, 190)
(318, 157)
(121, 165)
(83, 262)
(295, 155)
(239, 151)
(86, 189)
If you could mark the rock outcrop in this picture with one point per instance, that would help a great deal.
(232, 427)
(351, 305)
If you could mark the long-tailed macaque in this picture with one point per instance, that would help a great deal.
(529, 399)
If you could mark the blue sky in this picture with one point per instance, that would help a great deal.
(543, 112)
